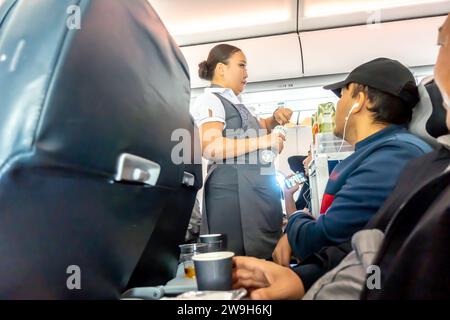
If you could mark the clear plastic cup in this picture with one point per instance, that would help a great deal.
(215, 242)
(187, 251)
(269, 155)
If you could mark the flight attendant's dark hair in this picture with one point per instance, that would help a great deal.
(220, 53)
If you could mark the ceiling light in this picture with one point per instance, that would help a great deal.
(321, 8)
(228, 22)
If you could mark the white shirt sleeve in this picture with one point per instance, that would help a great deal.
(207, 108)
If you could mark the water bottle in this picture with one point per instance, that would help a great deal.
(268, 156)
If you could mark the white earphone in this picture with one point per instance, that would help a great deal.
(351, 110)
(345, 125)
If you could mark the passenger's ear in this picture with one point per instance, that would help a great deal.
(362, 101)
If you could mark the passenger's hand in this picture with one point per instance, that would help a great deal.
(283, 252)
(282, 115)
(266, 280)
(290, 191)
(306, 163)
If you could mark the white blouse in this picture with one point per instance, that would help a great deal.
(208, 107)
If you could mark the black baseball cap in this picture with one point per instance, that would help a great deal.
(386, 75)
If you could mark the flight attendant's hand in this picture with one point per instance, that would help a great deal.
(277, 142)
(283, 252)
(266, 280)
(282, 115)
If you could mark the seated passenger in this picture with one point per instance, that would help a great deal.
(300, 164)
(413, 258)
(423, 181)
(375, 108)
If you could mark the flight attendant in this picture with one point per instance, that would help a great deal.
(241, 196)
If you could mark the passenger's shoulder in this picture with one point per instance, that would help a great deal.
(407, 141)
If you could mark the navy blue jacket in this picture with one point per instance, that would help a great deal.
(356, 189)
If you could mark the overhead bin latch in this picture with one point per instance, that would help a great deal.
(135, 169)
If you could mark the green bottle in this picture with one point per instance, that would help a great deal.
(326, 117)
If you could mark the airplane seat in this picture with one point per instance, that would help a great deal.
(94, 101)
(428, 120)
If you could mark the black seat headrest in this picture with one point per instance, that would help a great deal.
(428, 120)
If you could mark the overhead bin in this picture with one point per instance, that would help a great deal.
(413, 42)
(205, 21)
(269, 58)
(325, 14)
(336, 35)
(202, 21)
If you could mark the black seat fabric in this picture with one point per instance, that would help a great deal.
(428, 121)
(71, 102)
